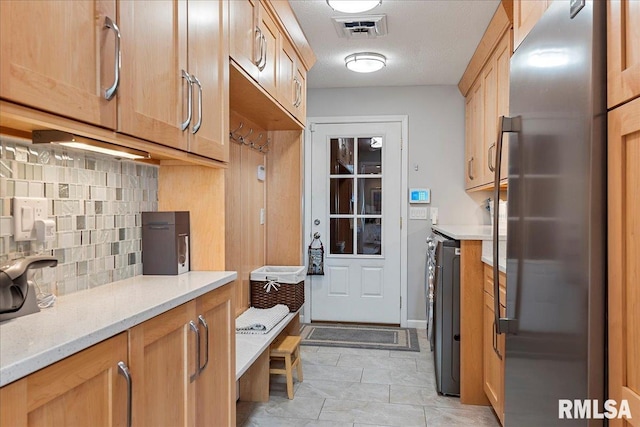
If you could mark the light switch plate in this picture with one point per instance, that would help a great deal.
(26, 211)
(417, 213)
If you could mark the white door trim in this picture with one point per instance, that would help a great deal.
(404, 121)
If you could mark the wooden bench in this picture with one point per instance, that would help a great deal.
(252, 358)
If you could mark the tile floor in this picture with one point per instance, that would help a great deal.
(357, 387)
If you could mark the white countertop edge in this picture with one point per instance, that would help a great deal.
(502, 266)
(250, 346)
(469, 232)
(16, 363)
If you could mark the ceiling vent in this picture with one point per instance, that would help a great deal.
(360, 27)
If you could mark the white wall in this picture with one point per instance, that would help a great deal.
(436, 147)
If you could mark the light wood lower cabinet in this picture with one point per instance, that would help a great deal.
(85, 389)
(216, 384)
(624, 253)
(493, 345)
(171, 383)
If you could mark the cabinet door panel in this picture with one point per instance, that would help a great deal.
(286, 73)
(624, 252)
(216, 390)
(162, 358)
(153, 95)
(526, 14)
(243, 19)
(473, 136)
(623, 51)
(83, 389)
(208, 62)
(268, 74)
(301, 110)
(490, 119)
(503, 58)
(72, 70)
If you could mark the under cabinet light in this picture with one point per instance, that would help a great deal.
(353, 6)
(70, 140)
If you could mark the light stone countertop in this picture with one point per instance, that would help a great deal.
(82, 319)
(468, 232)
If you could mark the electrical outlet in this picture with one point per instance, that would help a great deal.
(26, 211)
(434, 216)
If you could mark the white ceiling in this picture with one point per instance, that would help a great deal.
(429, 42)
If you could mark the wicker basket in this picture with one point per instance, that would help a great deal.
(278, 285)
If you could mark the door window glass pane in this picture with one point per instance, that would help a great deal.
(341, 156)
(341, 194)
(341, 236)
(370, 196)
(369, 236)
(370, 155)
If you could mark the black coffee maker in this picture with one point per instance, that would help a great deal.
(165, 242)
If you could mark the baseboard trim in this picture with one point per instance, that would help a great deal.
(418, 324)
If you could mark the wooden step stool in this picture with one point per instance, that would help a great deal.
(283, 348)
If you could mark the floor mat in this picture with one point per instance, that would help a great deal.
(360, 336)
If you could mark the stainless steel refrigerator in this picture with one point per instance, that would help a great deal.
(556, 253)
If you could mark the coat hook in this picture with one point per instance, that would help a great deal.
(236, 129)
(244, 138)
(252, 144)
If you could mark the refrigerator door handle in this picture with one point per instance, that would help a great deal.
(505, 124)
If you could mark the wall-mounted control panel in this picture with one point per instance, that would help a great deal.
(419, 195)
(26, 212)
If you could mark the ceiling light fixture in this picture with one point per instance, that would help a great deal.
(70, 140)
(353, 6)
(365, 62)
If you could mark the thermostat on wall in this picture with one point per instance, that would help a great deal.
(419, 195)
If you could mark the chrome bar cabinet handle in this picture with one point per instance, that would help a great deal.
(206, 345)
(489, 164)
(258, 39)
(195, 329)
(110, 92)
(505, 124)
(187, 77)
(263, 52)
(469, 170)
(123, 370)
(196, 127)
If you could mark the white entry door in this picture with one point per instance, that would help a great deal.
(355, 206)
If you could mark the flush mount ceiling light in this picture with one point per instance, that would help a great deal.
(70, 140)
(365, 62)
(353, 6)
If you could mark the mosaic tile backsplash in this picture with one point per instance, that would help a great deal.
(95, 201)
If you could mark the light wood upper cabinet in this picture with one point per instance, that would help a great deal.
(473, 136)
(268, 69)
(244, 35)
(59, 57)
(292, 81)
(525, 15)
(86, 389)
(624, 250)
(487, 100)
(174, 74)
(153, 96)
(208, 66)
(623, 51)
